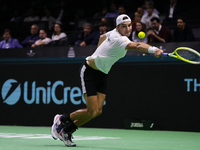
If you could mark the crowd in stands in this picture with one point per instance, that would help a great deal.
(56, 28)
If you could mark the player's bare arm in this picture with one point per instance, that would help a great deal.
(143, 47)
(101, 39)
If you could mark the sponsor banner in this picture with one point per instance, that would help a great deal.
(12, 91)
(168, 95)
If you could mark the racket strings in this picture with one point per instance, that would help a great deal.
(186, 54)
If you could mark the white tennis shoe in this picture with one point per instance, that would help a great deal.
(66, 138)
(56, 127)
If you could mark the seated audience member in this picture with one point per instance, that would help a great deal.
(17, 18)
(9, 42)
(48, 17)
(44, 40)
(146, 4)
(113, 13)
(182, 33)
(137, 17)
(31, 38)
(121, 10)
(171, 12)
(139, 27)
(107, 22)
(64, 15)
(32, 16)
(93, 39)
(101, 14)
(87, 30)
(159, 33)
(58, 35)
(140, 10)
(146, 18)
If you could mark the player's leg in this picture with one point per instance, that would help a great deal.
(94, 100)
(82, 116)
(94, 109)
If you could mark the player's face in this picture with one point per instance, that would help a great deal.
(125, 28)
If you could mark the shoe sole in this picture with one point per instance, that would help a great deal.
(66, 144)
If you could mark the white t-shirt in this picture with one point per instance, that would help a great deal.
(58, 37)
(32, 19)
(110, 51)
(147, 20)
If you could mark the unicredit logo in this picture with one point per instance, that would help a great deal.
(11, 92)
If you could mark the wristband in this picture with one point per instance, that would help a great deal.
(151, 49)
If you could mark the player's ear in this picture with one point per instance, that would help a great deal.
(117, 26)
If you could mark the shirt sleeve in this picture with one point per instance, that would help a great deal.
(17, 45)
(46, 40)
(62, 35)
(123, 42)
(36, 42)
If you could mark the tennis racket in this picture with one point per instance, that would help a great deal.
(186, 54)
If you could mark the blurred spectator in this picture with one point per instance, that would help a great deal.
(107, 22)
(182, 33)
(139, 27)
(48, 17)
(137, 17)
(93, 39)
(31, 38)
(65, 16)
(17, 18)
(44, 40)
(171, 12)
(146, 18)
(121, 10)
(87, 30)
(113, 13)
(160, 33)
(9, 42)
(32, 16)
(101, 14)
(140, 10)
(58, 37)
(61, 13)
(133, 14)
(147, 3)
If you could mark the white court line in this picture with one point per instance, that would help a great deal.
(46, 136)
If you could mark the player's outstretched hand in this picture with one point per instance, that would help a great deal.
(158, 52)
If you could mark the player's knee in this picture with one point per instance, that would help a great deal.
(94, 113)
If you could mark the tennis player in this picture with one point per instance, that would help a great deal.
(93, 74)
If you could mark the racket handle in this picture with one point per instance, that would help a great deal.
(164, 54)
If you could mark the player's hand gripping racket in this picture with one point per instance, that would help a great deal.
(186, 54)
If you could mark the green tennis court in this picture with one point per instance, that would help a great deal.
(39, 138)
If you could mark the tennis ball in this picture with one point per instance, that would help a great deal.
(141, 34)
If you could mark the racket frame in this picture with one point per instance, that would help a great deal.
(176, 55)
